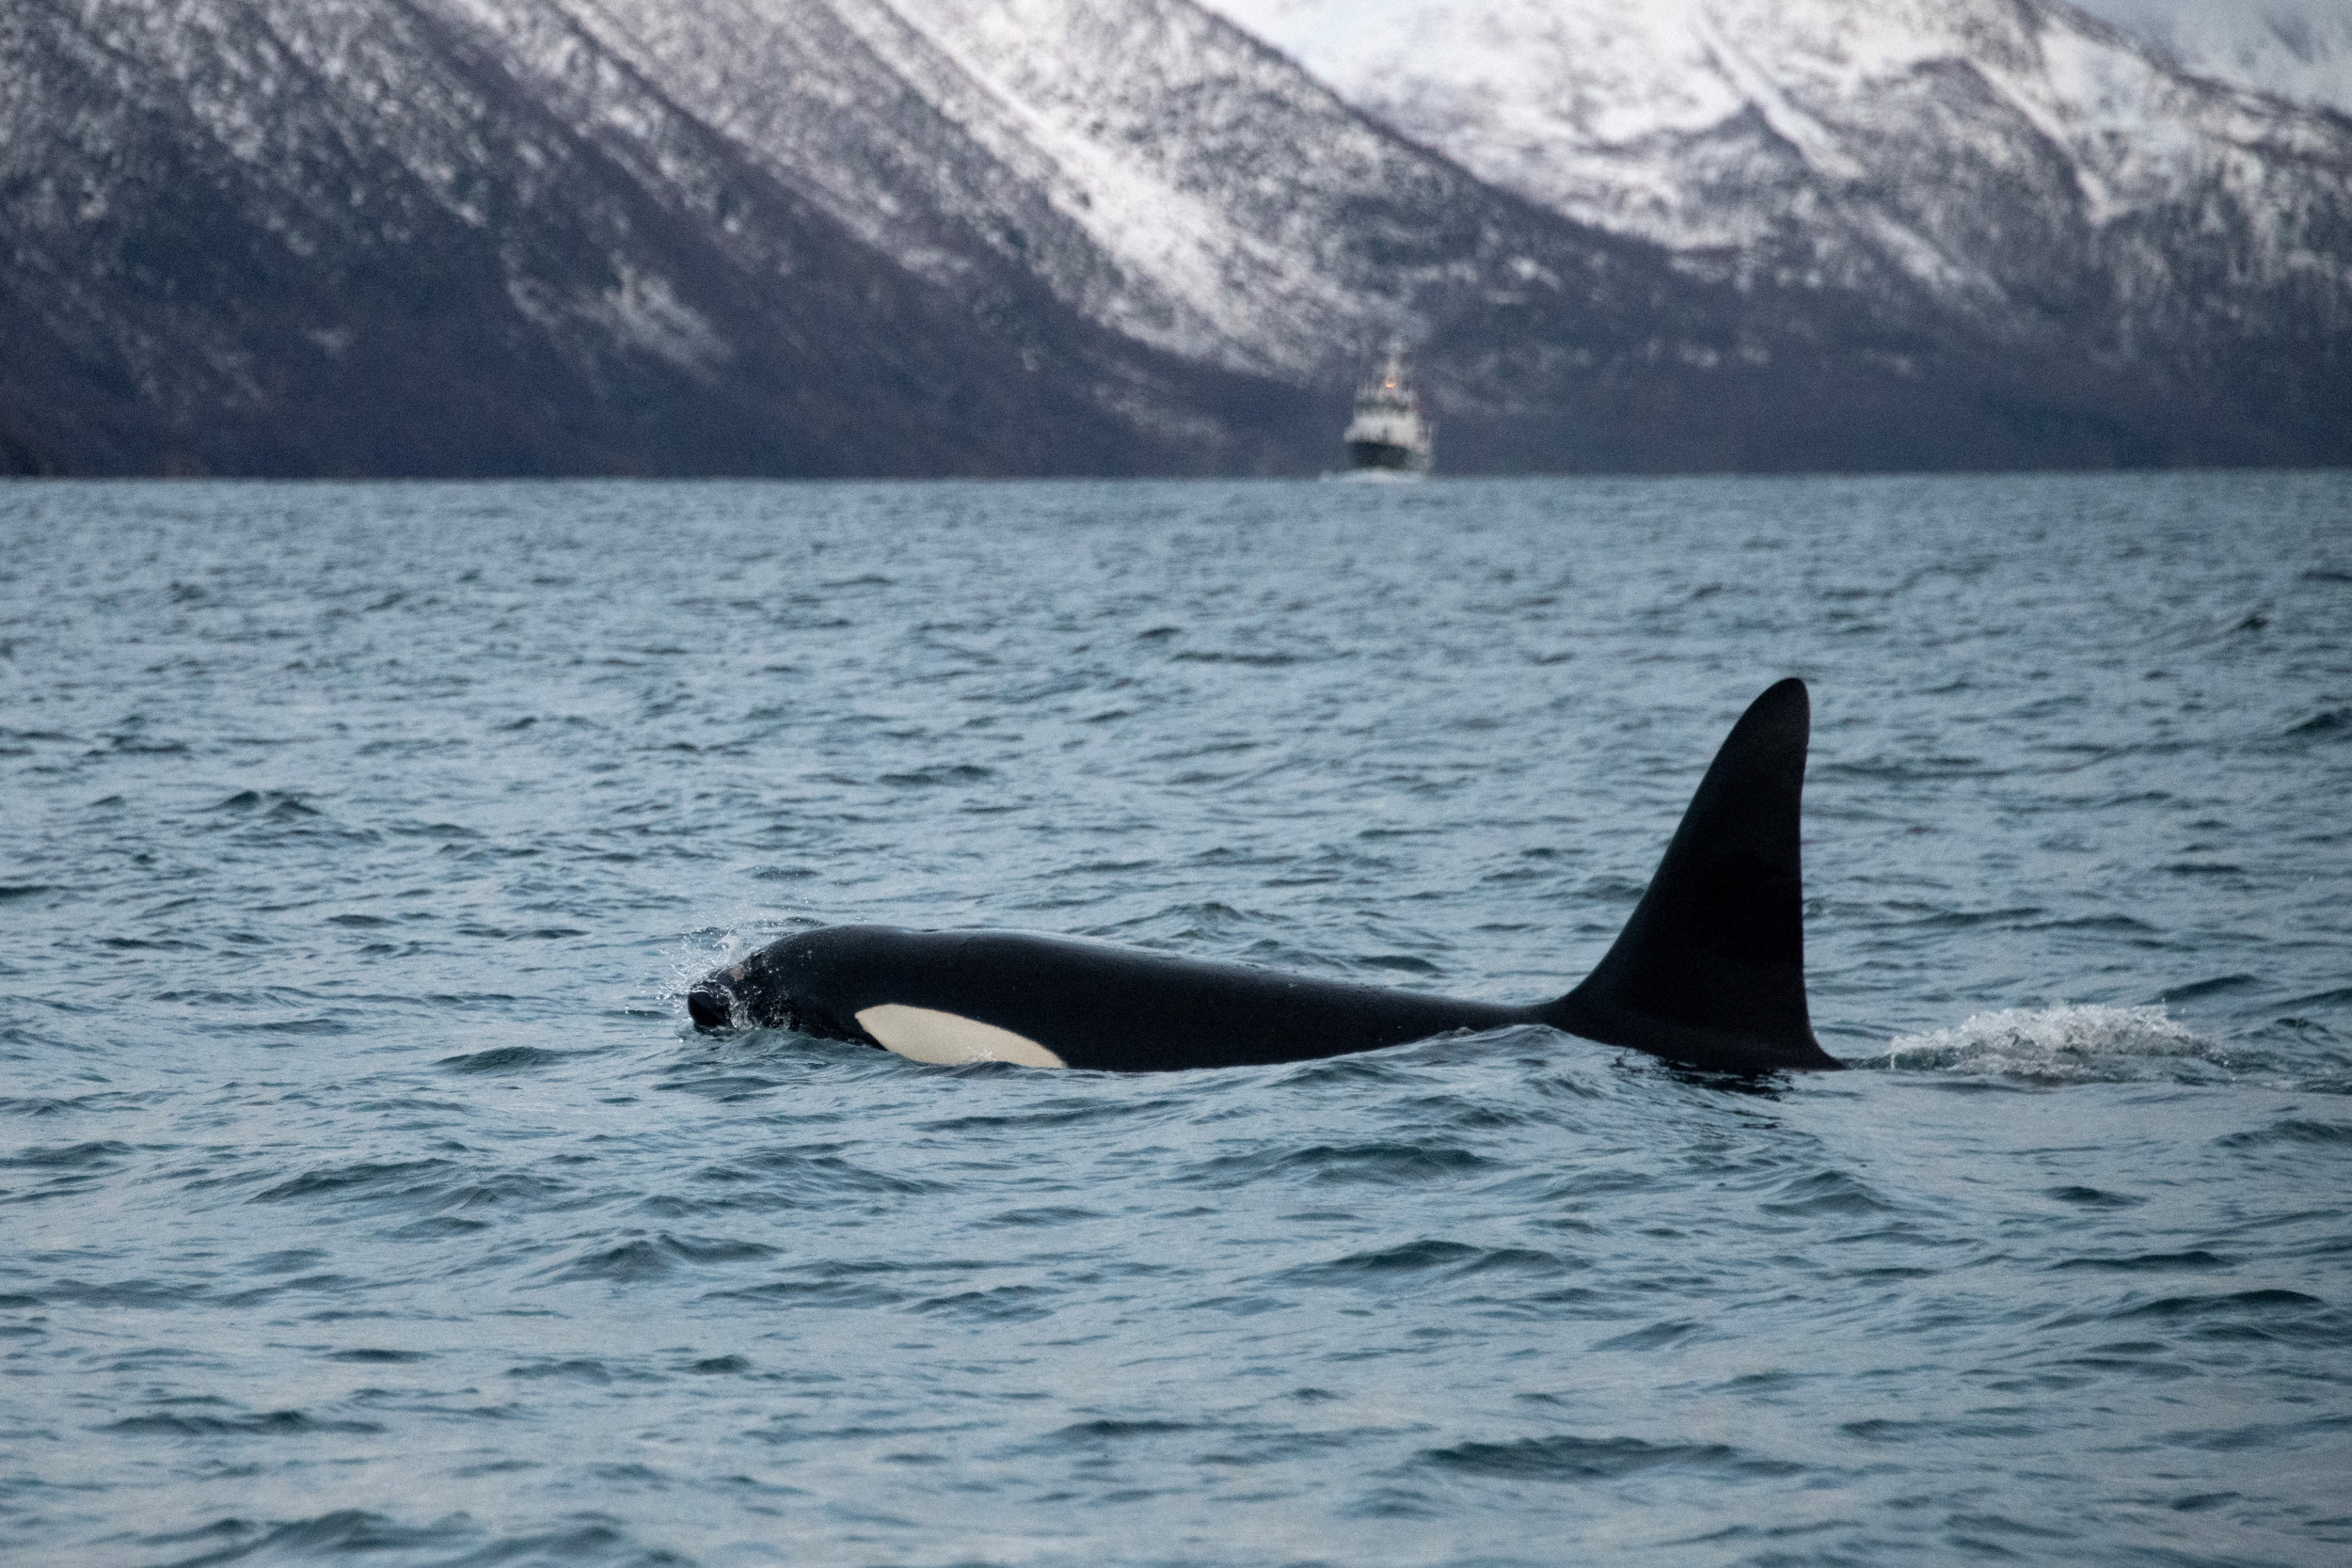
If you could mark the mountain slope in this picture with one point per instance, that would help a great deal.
(2299, 50)
(997, 236)
(327, 236)
(466, 236)
(2035, 173)
(1160, 172)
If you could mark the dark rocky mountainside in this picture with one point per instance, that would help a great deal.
(840, 237)
(338, 238)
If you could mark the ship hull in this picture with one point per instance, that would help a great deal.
(1385, 457)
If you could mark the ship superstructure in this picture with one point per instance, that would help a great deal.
(1389, 435)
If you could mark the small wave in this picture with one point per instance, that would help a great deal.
(1092, 1433)
(2093, 1198)
(1257, 661)
(2146, 1262)
(1452, 1257)
(1565, 1458)
(1656, 1336)
(998, 1304)
(2065, 1044)
(1050, 1215)
(400, 1177)
(650, 1258)
(2276, 1314)
(65, 1156)
(520, 933)
(278, 803)
(2211, 988)
(2294, 1129)
(147, 1293)
(372, 1536)
(1043, 1119)
(1383, 1163)
(941, 773)
(579, 1369)
(1826, 1192)
(844, 1295)
(277, 1423)
(504, 1058)
(810, 1172)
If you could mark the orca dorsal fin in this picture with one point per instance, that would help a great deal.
(1709, 971)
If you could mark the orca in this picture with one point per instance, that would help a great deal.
(1707, 973)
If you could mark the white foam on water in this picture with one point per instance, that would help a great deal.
(2089, 1043)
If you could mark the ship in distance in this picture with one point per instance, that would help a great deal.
(1389, 438)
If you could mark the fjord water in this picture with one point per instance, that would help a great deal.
(364, 1195)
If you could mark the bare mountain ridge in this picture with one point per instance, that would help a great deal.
(788, 236)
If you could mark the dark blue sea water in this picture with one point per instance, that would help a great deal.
(365, 1198)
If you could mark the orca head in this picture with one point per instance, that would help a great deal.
(715, 1004)
(747, 994)
(803, 983)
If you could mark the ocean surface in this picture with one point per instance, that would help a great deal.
(365, 1197)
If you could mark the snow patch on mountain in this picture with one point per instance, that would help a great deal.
(1994, 152)
(1157, 170)
(2296, 49)
(1051, 85)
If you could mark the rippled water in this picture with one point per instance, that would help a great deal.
(364, 1190)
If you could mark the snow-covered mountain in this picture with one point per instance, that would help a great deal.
(1122, 235)
(352, 236)
(807, 235)
(1137, 157)
(2299, 50)
(2013, 158)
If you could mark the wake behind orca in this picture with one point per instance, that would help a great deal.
(1708, 972)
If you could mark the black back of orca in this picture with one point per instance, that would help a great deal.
(1709, 970)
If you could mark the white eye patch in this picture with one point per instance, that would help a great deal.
(948, 1040)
